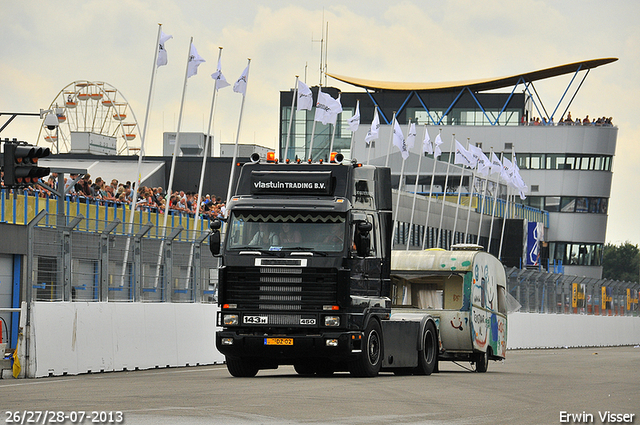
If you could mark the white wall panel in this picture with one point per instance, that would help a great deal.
(79, 337)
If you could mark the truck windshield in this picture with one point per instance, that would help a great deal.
(295, 231)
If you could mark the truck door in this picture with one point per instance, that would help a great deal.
(366, 270)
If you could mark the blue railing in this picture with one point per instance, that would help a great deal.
(20, 207)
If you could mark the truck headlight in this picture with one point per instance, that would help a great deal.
(230, 319)
(227, 341)
(332, 320)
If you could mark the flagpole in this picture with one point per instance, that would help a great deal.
(493, 214)
(395, 220)
(444, 196)
(415, 188)
(483, 198)
(393, 122)
(433, 175)
(375, 110)
(235, 149)
(504, 224)
(208, 140)
(495, 201)
(455, 221)
(313, 131)
(353, 133)
(167, 204)
(134, 199)
(333, 135)
(293, 111)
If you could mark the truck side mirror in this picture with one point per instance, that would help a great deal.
(214, 237)
(363, 239)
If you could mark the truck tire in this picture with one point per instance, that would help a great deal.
(482, 361)
(241, 368)
(304, 368)
(428, 356)
(370, 362)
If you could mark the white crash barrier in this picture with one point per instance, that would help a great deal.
(78, 337)
(74, 338)
(534, 330)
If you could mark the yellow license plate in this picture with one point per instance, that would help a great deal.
(278, 341)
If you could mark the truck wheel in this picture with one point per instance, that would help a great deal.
(370, 361)
(241, 368)
(428, 356)
(304, 368)
(482, 361)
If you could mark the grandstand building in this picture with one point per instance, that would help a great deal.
(568, 167)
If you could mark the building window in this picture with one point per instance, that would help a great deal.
(552, 203)
(576, 254)
(570, 204)
(540, 161)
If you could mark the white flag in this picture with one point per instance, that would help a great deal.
(409, 142)
(241, 85)
(221, 82)
(305, 97)
(496, 165)
(463, 156)
(327, 108)
(436, 147)
(398, 137)
(373, 132)
(518, 181)
(480, 159)
(162, 53)
(507, 171)
(426, 143)
(354, 121)
(194, 62)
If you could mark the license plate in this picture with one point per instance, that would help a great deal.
(261, 320)
(278, 341)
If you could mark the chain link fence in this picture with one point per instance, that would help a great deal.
(108, 260)
(541, 292)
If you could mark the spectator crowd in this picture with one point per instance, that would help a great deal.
(603, 121)
(116, 193)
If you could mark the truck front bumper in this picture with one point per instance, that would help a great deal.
(284, 349)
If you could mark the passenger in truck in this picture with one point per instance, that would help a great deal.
(264, 237)
(335, 237)
(288, 236)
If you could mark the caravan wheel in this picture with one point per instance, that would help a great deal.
(482, 361)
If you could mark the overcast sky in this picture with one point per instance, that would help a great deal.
(45, 46)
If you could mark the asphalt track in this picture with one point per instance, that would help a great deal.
(530, 387)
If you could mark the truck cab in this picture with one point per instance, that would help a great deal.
(305, 268)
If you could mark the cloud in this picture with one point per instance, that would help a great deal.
(47, 45)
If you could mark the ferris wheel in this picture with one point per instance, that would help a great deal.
(93, 116)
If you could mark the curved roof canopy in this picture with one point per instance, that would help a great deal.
(476, 85)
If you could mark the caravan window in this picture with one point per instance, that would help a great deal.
(502, 300)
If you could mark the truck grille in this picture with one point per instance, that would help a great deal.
(281, 289)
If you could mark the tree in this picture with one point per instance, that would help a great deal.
(621, 262)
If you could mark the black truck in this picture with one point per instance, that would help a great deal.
(304, 278)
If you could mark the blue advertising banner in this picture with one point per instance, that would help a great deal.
(534, 238)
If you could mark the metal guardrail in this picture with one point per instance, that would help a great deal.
(541, 292)
(108, 260)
